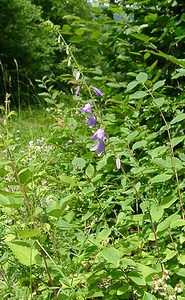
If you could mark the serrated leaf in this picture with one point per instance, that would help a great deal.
(161, 178)
(25, 255)
(138, 95)
(111, 255)
(178, 118)
(158, 84)
(142, 77)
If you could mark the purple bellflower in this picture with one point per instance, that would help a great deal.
(100, 147)
(77, 90)
(98, 92)
(99, 135)
(118, 163)
(87, 109)
(91, 121)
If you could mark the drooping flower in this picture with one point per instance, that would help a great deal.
(87, 109)
(77, 75)
(99, 134)
(118, 163)
(77, 90)
(91, 121)
(98, 92)
(100, 147)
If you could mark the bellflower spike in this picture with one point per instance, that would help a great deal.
(100, 147)
(98, 92)
(87, 109)
(118, 163)
(77, 90)
(99, 135)
(91, 121)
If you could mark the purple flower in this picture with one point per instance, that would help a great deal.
(91, 121)
(98, 92)
(118, 163)
(100, 147)
(77, 90)
(99, 134)
(87, 109)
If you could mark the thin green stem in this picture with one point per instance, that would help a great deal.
(171, 151)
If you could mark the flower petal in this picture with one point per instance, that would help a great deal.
(91, 121)
(118, 163)
(87, 109)
(98, 92)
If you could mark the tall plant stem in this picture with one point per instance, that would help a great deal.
(171, 152)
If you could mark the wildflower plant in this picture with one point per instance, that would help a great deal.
(103, 225)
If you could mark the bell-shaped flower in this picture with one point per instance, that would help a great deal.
(100, 147)
(87, 109)
(98, 92)
(77, 75)
(77, 90)
(118, 163)
(91, 121)
(99, 135)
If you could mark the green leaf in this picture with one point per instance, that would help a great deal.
(67, 179)
(11, 200)
(79, 162)
(111, 255)
(89, 171)
(166, 223)
(132, 85)
(79, 31)
(123, 289)
(181, 259)
(145, 270)
(176, 140)
(141, 36)
(168, 201)
(132, 135)
(25, 255)
(148, 296)
(139, 145)
(25, 175)
(178, 118)
(156, 212)
(161, 178)
(142, 77)
(158, 84)
(138, 95)
(159, 101)
(28, 233)
(137, 278)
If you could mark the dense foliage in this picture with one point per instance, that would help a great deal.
(92, 203)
